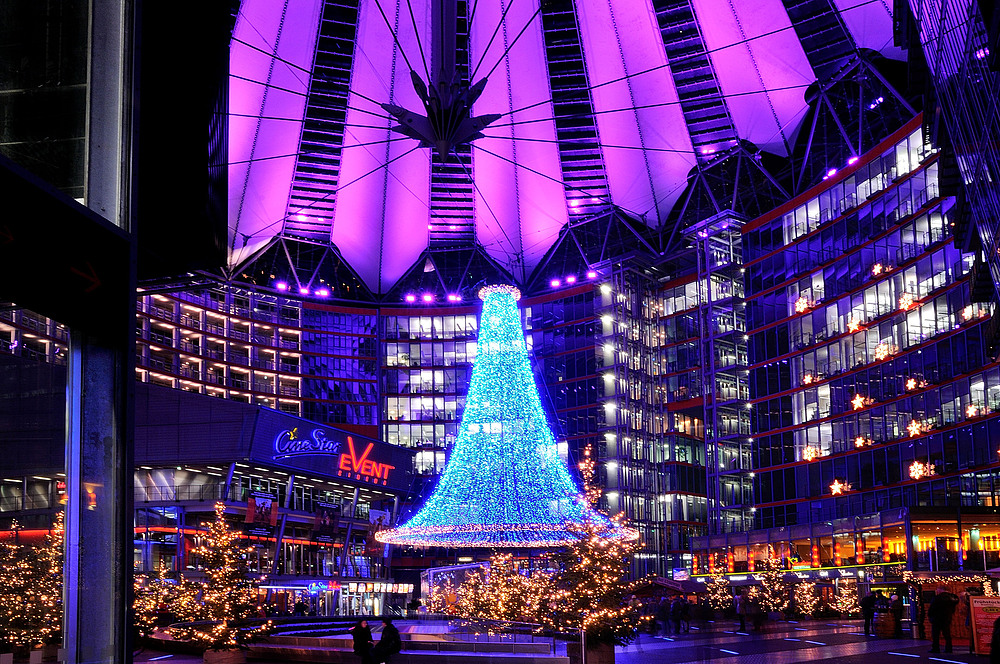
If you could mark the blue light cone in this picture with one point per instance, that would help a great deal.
(504, 485)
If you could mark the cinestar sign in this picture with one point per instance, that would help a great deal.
(351, 465)
(288, 444)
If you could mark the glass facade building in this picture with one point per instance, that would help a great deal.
(870, 385)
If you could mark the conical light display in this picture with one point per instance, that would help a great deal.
(505, 484)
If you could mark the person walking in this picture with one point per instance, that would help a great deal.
(896, 609)
(741, 609)
(941, 610)
(389, 644)
(868, 611)
(363, 641)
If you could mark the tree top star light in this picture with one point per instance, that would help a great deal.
(505, 484)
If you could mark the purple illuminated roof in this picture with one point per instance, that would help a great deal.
(314, 155)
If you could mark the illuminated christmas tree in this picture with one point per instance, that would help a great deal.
(228, 595)
(772, 593)
(588, 588)
(31, 590)
(505, 484)
(497, 592)
(720, 593)
(163, 599)
(806, 599)
(846, 601)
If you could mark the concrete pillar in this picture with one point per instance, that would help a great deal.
(99, 513)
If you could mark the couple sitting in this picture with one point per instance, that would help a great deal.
(388, 645)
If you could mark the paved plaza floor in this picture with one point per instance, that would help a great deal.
(787, 643)
(833, 642)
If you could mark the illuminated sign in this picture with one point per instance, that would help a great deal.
(363, 468)
(288, 444)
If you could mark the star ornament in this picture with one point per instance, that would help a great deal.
(853, 324)
(839, 488)
(919, 469)
(905, 301)
(914, 428)
(801, 304)
(911, 383)
(971, 410)
(876, 269)
(858, 402)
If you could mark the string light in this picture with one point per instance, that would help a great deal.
(983, 580)
(505, 484)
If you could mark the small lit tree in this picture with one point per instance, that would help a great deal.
(228, 595)
(588, 588)
(846, 600)
(772, 593)
(154, 597)
(500, 592)
(31, 589)
(720, 593)
(443, 596)
(806, 598)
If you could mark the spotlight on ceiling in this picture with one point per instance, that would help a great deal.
(555, 283)
(410, 298)
(571, 279)
(427, 297)
(281, 285)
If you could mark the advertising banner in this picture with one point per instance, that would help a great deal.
(327, 521)
(985, 612)
(262, 514)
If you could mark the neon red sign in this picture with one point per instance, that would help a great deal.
(363, 468)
